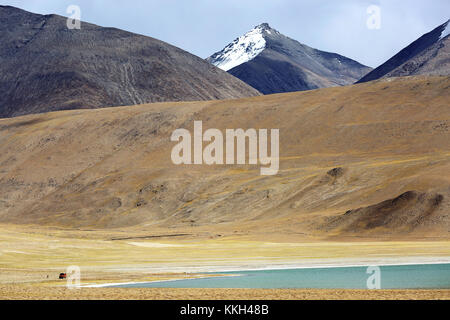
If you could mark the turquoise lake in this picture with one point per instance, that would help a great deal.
(430, 276)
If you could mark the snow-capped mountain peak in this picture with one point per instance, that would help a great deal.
(271, 62)
(243, 49)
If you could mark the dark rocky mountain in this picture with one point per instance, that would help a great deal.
(428, 55)
(272, 63)
(44, 66)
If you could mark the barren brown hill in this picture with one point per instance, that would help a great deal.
(45, 66)
(369, 160)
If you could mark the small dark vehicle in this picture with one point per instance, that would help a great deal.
(62, 276)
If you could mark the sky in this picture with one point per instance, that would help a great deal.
(204, 27)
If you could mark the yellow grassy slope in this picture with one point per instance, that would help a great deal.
(111, 168)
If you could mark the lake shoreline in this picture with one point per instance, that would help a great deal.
(380, 263)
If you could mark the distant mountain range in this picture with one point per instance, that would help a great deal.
(272, 63)
(428, 55)
(44, 66)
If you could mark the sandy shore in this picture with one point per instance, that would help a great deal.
(24, 292)
(297, 264)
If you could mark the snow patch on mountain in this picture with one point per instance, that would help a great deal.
(241, 50)
(446, 31)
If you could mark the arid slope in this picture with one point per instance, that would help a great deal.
(47, 67)
(369, 160)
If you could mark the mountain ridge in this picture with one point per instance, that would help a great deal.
(428, 55)
(47, 67)
(274, 63)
